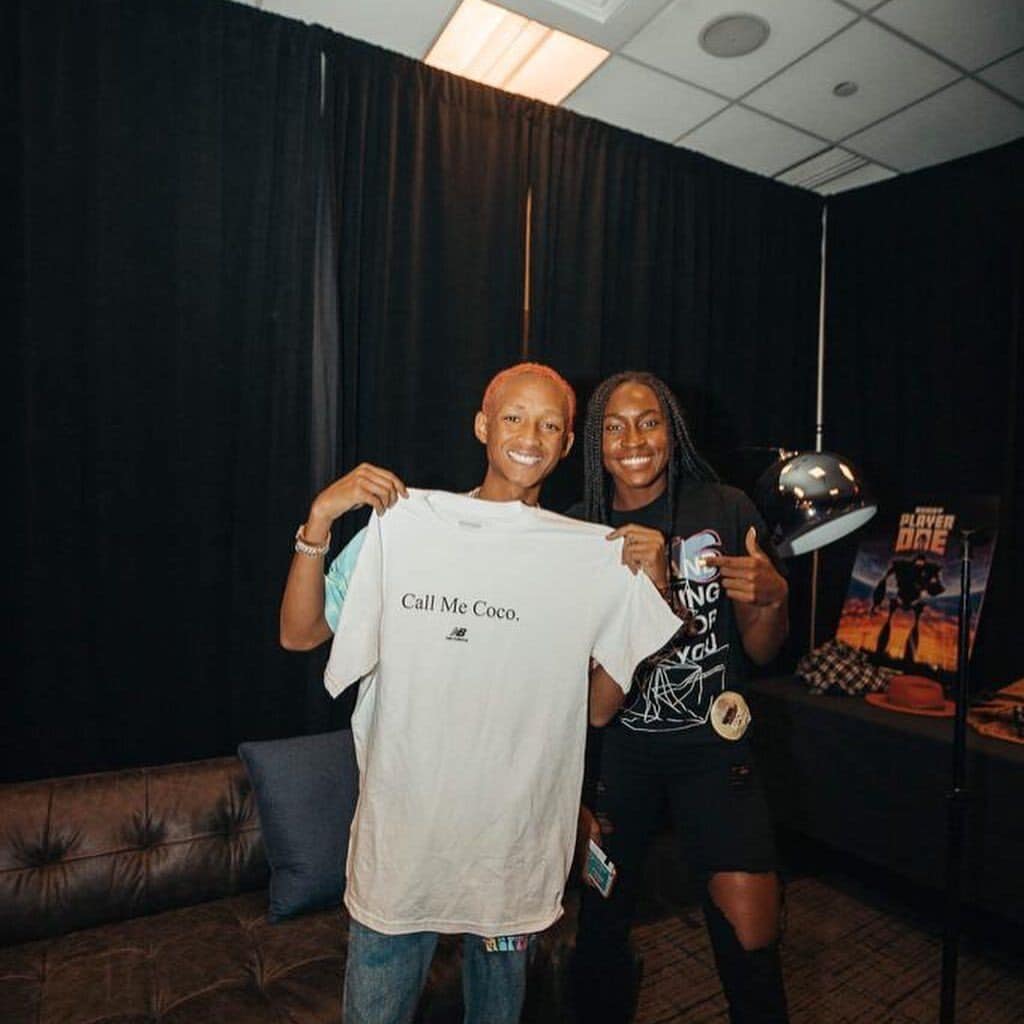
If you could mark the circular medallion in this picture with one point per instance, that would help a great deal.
(730, 715)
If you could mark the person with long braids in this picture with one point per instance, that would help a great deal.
(679, 739)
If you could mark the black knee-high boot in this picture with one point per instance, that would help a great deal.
(605, 987)
(751, 978)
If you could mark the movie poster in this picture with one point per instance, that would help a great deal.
(904, 594)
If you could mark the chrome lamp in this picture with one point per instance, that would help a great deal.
(810, 499)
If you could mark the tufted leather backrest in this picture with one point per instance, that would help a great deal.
(80, 851)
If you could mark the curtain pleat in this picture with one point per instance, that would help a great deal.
(650, 257)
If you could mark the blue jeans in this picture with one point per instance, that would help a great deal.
(385, 974)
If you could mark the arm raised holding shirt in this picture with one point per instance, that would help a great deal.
(303, 623)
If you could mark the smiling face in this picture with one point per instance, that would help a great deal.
(635, 445)
(526, 434)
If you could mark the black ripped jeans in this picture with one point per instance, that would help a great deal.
(721, 823)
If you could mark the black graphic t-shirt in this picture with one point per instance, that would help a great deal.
(673, 689)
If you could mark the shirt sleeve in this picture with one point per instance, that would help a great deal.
(338, 578)
(636, 623)
(355, 649)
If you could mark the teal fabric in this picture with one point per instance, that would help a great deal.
(337, 579)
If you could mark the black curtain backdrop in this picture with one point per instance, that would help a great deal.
(255, 253)
(162, 378)
(650, 257)
(925, 362)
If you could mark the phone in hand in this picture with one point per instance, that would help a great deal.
(599, 870)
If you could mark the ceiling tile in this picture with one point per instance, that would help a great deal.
(1007, 75)
(889, 73)
(645, 101)
(621, 25)
(596, 10)
(671, 41)
(962, 119)
(971, 32)
(866, 175)
(745, 139)
(403, 26)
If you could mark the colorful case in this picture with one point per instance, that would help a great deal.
(600, 871)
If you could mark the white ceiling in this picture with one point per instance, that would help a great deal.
(937, 79)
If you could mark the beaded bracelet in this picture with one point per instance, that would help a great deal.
(303, 547)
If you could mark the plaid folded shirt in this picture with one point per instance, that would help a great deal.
(835, 667)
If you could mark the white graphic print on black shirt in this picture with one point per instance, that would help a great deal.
(673, 690)
(681, 681)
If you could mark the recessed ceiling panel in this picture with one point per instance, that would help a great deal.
(753, 141)
(597, 10)
(492, 45)
(962, 119)
(404, 26)
(971, 32)
(621, 24)
(624, 94)
(889, 74)
(671, 41)
(1007, 75)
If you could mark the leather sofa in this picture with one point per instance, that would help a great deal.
(140, 895)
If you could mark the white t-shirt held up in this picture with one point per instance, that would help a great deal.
(474, 623)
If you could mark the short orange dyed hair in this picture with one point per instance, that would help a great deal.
(499, 380)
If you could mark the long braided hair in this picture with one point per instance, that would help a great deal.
(685, 462)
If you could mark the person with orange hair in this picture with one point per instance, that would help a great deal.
(470, 742)
(542, 405)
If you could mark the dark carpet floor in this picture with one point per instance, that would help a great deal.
(853, 953)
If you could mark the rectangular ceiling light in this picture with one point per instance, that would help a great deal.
(488, 44)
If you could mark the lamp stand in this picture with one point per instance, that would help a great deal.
(958, 796)
(815, 569)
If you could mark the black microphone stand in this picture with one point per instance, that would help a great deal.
(958, 796)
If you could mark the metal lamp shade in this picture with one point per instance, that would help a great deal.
(809, 499)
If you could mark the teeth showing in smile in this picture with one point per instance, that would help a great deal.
(524, 458)
(636, 461)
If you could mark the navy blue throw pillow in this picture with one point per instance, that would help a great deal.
(306, 789)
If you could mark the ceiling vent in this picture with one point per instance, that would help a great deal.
(821, 169)
(734, 35)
